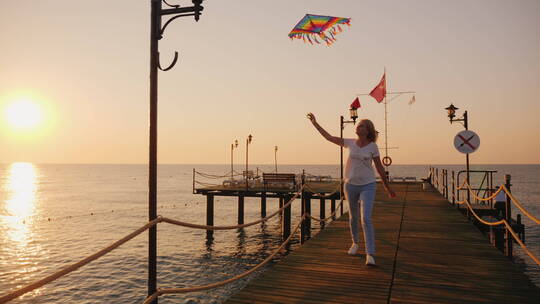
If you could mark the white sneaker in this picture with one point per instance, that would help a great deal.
(370, 260)
(353, 250)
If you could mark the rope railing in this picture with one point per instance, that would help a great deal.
(520, 206)
(164, 291)
(331, 216)
(208, 227)
(322, 194)
(19, 292)
(66, 270)
(508, 227)
(206, 184)
(510, 195)
(215, 176)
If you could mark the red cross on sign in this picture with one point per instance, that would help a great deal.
(467, 142)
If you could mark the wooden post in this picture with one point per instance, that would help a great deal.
(453, 188)
(509, 237)
(263, 204)
(209, 212)
(437, 174)
(322, 210)
(308, 210)
(446, 183)
(286, 219)
(240, 209)
(302, 211)
(333, 208)
(280, 202)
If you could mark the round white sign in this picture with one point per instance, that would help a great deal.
(467, 142)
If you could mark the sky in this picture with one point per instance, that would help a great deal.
(86, 65)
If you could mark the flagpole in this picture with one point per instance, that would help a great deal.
(385, 122)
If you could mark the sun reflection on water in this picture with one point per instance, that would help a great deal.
(21, 189)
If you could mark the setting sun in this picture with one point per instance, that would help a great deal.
(23, 114)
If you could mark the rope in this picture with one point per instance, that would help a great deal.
(160, 292)
(206, 227)
(484, 199)
(331, 216)
(512, 197)
(529, 253)
(207, 175)
(322, 194)
(477, 217)
(19, 292)
(519, 205)
(206, 184)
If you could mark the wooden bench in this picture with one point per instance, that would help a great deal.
(281, 180)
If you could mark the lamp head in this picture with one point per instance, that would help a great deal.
(451, 111)
(250, 138)
(354, 114)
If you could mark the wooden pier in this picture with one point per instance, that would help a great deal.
(427, 252)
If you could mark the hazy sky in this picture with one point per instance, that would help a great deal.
(86, 63)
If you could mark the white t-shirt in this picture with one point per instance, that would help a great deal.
(359, 168)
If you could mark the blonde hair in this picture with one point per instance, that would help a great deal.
(372, 133)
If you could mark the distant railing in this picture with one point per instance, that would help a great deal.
(440, 182)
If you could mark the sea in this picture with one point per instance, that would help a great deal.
(53, 215)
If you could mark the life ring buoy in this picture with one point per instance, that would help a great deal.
(387, 161)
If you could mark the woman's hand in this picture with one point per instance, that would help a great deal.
(311, 117)
(391, 194)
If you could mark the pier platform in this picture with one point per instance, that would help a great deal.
(427, 252)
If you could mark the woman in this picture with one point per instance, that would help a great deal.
(360, 181)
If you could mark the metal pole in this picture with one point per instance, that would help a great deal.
(246, 175)
(275, 157)
(385, 127)
(341, 164)
(466, 123)
(232, 170)
(155, 26)
(509, 237)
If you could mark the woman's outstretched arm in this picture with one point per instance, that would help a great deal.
(336, 140)
(382, 174)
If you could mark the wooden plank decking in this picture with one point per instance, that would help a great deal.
(427, 252)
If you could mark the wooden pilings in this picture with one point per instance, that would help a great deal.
(286, 223)
(263, 204)
(322, 212)
(333, 208)
(209, 213)
(240, 209)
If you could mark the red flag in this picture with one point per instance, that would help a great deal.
(355, 104)
(379, 92)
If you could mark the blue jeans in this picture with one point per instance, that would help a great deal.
(361, 200)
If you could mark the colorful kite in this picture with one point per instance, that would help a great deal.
(325, 27)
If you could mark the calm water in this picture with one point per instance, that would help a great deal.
(54, 215)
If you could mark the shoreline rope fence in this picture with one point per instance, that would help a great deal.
(70, 268)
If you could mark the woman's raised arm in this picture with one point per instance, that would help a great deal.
(333, 139)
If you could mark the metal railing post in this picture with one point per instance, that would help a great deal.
(509, 238)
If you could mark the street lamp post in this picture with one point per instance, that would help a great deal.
(275, 156)
(342, 122)
(248, 141)
(234, 145)
(156, 33)
(465, 119)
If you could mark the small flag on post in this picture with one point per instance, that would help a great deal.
(379, 92)
(355, 104)
(413, 100)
